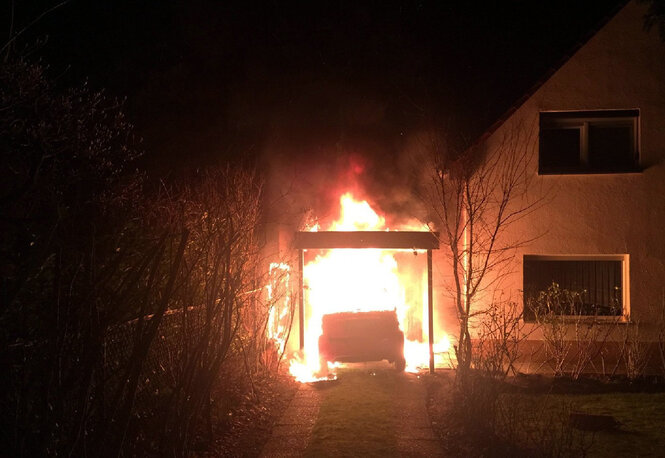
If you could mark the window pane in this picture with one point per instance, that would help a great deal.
(589, 141)
(599, 284)
(559, 149)
(611, 147)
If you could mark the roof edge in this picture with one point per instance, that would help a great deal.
(548, 75)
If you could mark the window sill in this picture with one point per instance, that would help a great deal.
(570, 319)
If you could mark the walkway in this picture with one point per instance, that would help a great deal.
(291, 433)
(415, 437)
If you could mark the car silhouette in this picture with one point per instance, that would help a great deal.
(362, 336)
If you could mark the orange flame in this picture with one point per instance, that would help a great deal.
(279, 298)
(352, 280)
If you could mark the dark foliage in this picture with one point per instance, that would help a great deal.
(66, 206)
(126, 316)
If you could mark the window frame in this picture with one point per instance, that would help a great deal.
(582, 120)
(624, 317)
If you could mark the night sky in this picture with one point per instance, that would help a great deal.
(211, 80)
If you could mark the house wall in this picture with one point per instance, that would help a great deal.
(621, 67)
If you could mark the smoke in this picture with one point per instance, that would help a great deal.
(310, 187)
(353, 143)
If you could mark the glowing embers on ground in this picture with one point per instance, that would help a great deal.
(364, 280)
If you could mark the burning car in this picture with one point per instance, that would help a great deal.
(362, 336)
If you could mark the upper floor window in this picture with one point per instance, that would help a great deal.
(603, 141)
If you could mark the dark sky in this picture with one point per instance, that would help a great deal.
(206, 80)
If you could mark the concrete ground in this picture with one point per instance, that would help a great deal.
(415, 437)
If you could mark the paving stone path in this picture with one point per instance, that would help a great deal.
(415, 437)
(292, 431)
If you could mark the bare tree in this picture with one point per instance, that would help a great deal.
(121, 306)
(572, 339)
(476, 196)
(68, 219)
(635, 352)
(660, 322)
(222, 278)
(500, 333)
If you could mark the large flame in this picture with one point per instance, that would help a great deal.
(353, 280)
(279, 298)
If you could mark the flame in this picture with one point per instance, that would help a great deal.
(417, 354)
(357, 216)
(279, 298)
(352, 280)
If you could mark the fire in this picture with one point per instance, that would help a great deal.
(279, 297)
(417, 354)
(363, 280)
(357, 216)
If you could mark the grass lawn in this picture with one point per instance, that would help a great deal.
(641, 415)
(536, 423)
(357, 416)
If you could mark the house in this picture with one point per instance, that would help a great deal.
(594, 135)
(600, 156)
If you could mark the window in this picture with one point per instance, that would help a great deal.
(603, 141)
(596, 282)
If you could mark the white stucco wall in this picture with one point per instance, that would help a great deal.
(621, 67)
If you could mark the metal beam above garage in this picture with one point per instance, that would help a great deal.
(402, 240)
